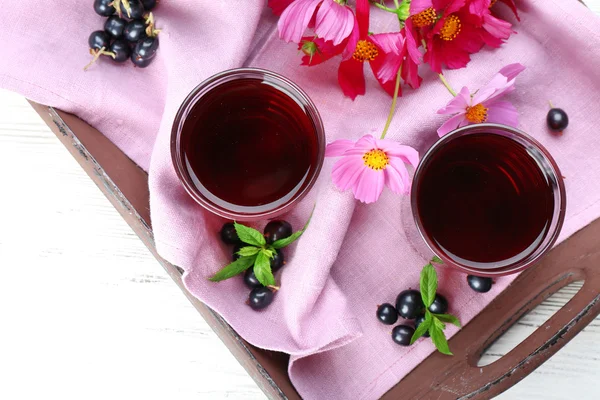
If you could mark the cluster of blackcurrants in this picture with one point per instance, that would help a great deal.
(260, 296)
(128, 33)
(409, 305)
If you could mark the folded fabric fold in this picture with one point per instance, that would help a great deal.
(353, 256)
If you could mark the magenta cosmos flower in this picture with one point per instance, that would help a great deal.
(385, 52)
(334, 19)
(369, 164)
(485, 104)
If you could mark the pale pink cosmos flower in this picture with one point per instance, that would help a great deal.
(485, 104)
(334, 20)
(369, 164)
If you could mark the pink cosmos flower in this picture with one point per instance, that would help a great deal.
(385, 52)
(495, 30)
(334, 19)
(369, 164)
(485, 104)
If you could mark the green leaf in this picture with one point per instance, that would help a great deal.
(422, 329)
(236, 267)
(437, 260)
(262, 270)
(439, 339)
(268, 252)
(439, 324)
(248, 251)
(291, 239)
(428, 284)
(249, 235)
(451, 319)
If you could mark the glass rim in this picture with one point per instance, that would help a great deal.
(552, 172)
(289, 88)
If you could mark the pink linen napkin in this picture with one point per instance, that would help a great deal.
(353, 256)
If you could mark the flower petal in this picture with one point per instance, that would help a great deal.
(362, 145)
(346, 171)
(363, 9)
(416, 6)
(411, 44)
(399, 167)
(503, 112)
(278, 6)
(458, 104)
(479, 7)
(369, 185)
(295, 19)
(381, 66)
(496, 27)
(394, 181)
(451, 124)
(405, 153)
(351, 78)
(392, 44)
(338, 147)
(334, 21)
(512, 70)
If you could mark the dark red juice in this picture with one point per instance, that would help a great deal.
(249, 146)
(483, 199)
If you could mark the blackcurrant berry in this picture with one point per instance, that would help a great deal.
(260, 298)
(418, 321)
(149, 4)
(409, 304)
(115, 26)
(387, 314)
(402, 334)
(557, 119)
(236, 248)
(144, 52)
(479, 284)
(103, 8)
(250, 279)
(98, 40)
(136, 9)
(439, 305)
(135, 30)
(276, 230)
(229, 234)
(277, 261)
(120, 48)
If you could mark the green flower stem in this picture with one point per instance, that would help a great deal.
(445, 82)
(397, 4)
(381, 6)
(393, 107)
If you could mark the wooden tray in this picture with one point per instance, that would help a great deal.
(126, 186)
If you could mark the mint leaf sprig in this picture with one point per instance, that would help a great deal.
(257, 254)
(433, 323)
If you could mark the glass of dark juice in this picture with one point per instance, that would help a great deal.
(247, 144)
(488, 199)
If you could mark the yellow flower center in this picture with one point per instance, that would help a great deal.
(424, 18)
(451, 28)
(365, 51)
(376, 159)
(477, 114)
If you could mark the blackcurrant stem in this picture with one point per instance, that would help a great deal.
(273, 287)
(550, 102)
(97, 54)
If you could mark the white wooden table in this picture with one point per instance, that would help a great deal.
(87, 313)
